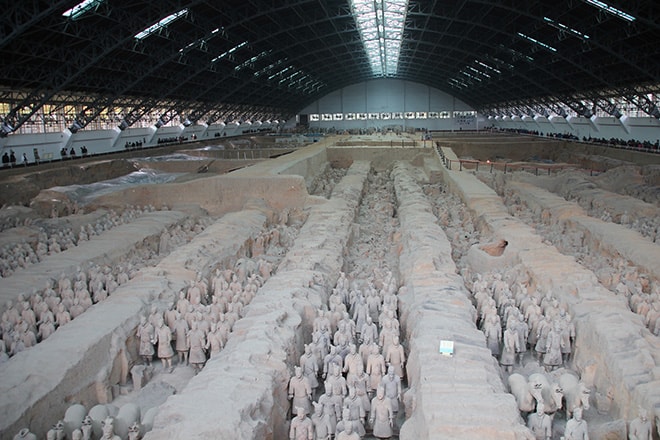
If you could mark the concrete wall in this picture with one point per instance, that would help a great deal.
(643, 128)
(582, 127)
(560, 125)
(544, 124)
(390, 96)
(47, 144)
(610, 127)
(138, 134)
(231, 129)
(213, 129)
(167, 132)
(195, 129)
(96, 141)
(607, 127)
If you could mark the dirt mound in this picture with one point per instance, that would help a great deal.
(640, 182)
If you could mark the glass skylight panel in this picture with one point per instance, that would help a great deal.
(251, 61)
(270, 67)
(229, 52)
(478, 71)
(611, 10)
(563, 27)
(457, 83)
(476, 78)
(161, 24)
(487, 66)
(380, 23)
(533, 40)
(290, 77)
(281, 72)
(502, 63)
(81, 8)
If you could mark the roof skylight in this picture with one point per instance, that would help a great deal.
(229, 52)
(478, 71)
(533, 40)
(563, 27)
(380, 23)
(457, 83)
(487, 66)
(270, 67)
(611, 10)
(251, 61)
(476, 78)
(81, 8)
(160, 24)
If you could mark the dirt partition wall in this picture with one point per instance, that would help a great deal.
(242, 392)
(105, 249)
(307, 162)
(198, 167)
(239, 153)
(514, 148)
(523, 148)
(613, 240)
(281, 182)
(380, 158)
(611, 350)
(218, 195)
(83, 361)
(20, 189)
(460, 396)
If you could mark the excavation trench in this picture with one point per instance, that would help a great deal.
(605, 330)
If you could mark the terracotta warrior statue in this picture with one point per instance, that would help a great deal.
(301, 426)
(300, 390)
(381, 417)
(540, 423)
(145, 333)
(163, 337)
(640, 428)
(576, 428)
